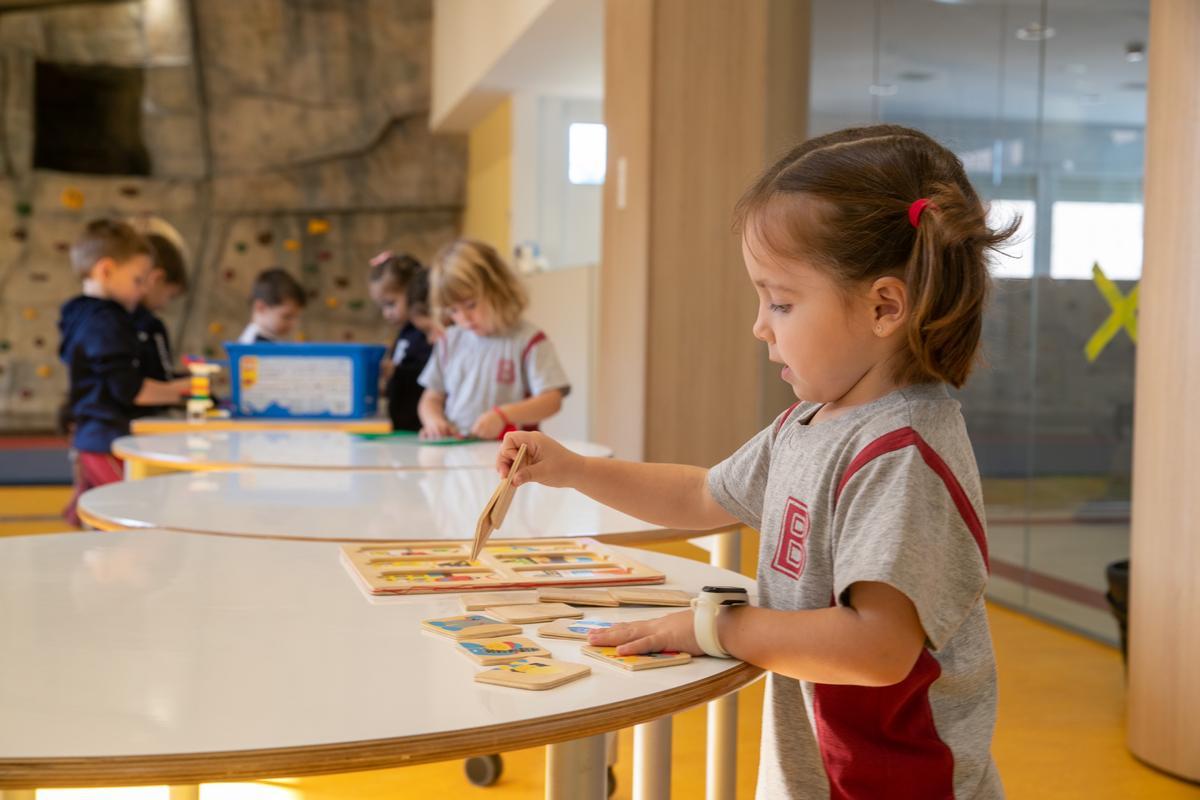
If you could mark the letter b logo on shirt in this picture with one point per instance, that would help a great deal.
(790, 548)
(506, 371)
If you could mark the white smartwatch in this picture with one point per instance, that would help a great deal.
(705, 608)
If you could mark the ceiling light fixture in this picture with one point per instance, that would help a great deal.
(1034, 32)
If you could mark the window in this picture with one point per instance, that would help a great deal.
(587, 146)
(89, 119)
(1086, 233)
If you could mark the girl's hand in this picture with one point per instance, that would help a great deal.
(546, 461)
(489, 425)
(672, 632)
(440, 428)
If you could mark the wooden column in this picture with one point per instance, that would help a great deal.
(1164, 657)
(699, 96)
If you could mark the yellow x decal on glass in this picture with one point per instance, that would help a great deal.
(1123, 315)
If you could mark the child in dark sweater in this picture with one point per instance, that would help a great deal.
(101, 351)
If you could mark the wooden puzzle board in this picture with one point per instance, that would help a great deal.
(446, 566)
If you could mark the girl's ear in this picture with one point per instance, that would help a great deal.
(889, 305)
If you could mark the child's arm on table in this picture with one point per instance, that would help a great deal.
(529, 411)
(872, 642)
(671, 495)
(431, 410)
(162, 393)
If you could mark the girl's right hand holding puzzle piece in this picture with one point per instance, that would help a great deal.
(546, 461)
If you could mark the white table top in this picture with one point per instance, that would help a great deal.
(175, 658)
(353, 506)
(226, 450)
(148, 425)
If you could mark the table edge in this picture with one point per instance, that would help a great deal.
(322, 759)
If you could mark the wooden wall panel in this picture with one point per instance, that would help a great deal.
(1164, 692)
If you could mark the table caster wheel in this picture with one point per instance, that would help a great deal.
(484, 770)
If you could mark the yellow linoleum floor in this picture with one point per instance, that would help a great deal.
(1059, 735)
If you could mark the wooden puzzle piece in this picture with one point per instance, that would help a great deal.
(500, 651)
(478, 602)
(534, 612)
(573, 628)
(608, 655)
(533, 673)
(470, 626)
(578, 597)
(497, 507)
(637, 596)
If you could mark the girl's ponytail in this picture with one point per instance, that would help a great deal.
(948, 283)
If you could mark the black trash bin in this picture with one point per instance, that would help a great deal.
(1118, 600)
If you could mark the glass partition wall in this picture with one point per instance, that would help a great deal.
(1045, 104)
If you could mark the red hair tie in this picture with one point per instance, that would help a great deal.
(914, 211)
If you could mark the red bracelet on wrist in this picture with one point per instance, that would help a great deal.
(503, 416)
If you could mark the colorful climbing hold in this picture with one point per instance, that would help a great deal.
(24, 209)
(38, 277)
(130, 191)
(20, 234)
(324, 255)
(5, 346)
(29, 313)
(341, 281)
(348, 336)
(71, 198)
(44, 371)
(311, 269)
(215, 328)
(312, 294)
(265, 238)
(291, 244)
(38, 341)
(356, 305)
(62, 247)
(210, 352)
(317, 227)
(26, 394)
(229, 274)
(240, 247)
(332, 302)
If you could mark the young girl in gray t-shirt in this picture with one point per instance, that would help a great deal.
(868, 251)
(492, 371)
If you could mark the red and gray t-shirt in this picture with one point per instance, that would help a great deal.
(888, 492)
(477, 373)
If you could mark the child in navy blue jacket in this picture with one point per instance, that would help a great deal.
(399, 285)
(100, 349)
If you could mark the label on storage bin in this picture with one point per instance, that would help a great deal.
(303, 386)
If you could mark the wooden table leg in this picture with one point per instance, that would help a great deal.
(652, 760)
(577, 770)
(721, 776)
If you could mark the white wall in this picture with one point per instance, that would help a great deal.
(563, 304)
(469, 38)
(562, 218)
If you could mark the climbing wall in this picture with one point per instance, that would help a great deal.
(280, 133)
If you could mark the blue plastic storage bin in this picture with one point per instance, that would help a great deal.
(311, 381)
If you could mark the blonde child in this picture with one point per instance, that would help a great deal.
(399, 285)
(276, 301)
(868, 251)
(492, 371)
(100, 350)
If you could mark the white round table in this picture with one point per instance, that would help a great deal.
(305, 449)
(149, 657)
(354, 506)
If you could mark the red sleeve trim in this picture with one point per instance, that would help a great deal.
(536, 339)
(907, 437)
(784, 418)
